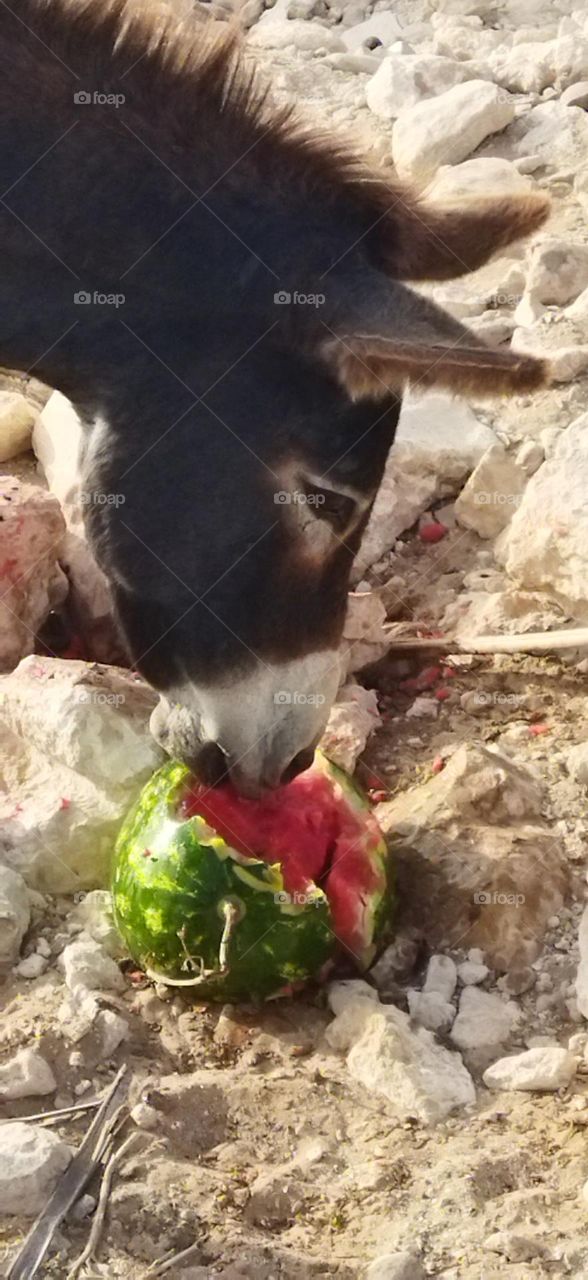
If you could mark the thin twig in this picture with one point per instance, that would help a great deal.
(232, 915)
(72, 1182)
(52, 1116)
(89, 1252)
(527, 642)
(164, 1264)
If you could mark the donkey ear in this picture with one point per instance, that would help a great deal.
(411, 340)
(421, 241)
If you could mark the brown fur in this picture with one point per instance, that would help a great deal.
(186, 75)
(372, 368)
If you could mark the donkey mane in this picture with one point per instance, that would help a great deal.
(189, 79)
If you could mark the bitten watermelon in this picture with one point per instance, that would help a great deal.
(246, 899)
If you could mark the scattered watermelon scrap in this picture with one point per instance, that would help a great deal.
(433, 532)
(537, 729)
(244, 899)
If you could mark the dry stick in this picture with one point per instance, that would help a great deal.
(89, 1253)
(164, 1264)
(71, 1183)
(52, 1116)
(528, 642)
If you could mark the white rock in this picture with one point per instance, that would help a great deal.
(395, 1266)
(577, 761)
(423, 709)
(17, 419)
(476, 179)
(280, 34)
(112, 1030)
(576, 95)
(364, 638)
(544, 1069)
(555, 133)
(26, 1075)
(430, 1010)
(15, 915)
(402, 81)
(470, 973)
(93, 912)
(31, 1161)
(483, 1020)
(32, 582)
(558, 271)
(32, 966)
(492, 494)
(349, 993)
(582, 974)
(75, 749)
(417, 1076)
(529, 311)
(356, 63)
(530, 456)
(57, 440)
(144, 1116)
(448, 128)
(545, 547)
(352, 719)
(454, 839)
(463, 8)
(531, 67)
(87, 966)
(441, 976)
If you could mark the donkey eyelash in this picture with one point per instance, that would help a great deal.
(337, 508)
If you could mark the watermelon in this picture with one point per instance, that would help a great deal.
(243, 899)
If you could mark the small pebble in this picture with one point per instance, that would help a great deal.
(31, 967)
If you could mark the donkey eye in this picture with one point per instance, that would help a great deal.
(338, 508)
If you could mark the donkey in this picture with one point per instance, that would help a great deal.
(222, 294)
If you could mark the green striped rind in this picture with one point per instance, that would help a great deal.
(168, 904)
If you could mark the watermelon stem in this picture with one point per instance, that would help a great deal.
(232, 914)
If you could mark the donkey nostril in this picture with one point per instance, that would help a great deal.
(211, 765)
(300, 762)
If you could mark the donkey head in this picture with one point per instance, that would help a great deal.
(231, 556)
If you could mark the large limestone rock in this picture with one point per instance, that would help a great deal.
(75, 750)
(477, 180)
(353, 718)
(15, 915)
(492, 493)
(31, 1161)
(558, 271)
(438, 442)
(475, 865)
(556, 135)
(446, 129)
(545, 547)
(531, 67)
(17, 418)
(57, 440)
(385, 1054)
(31, 580)
(403, 80)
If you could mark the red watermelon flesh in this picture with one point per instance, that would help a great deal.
(317, 834)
